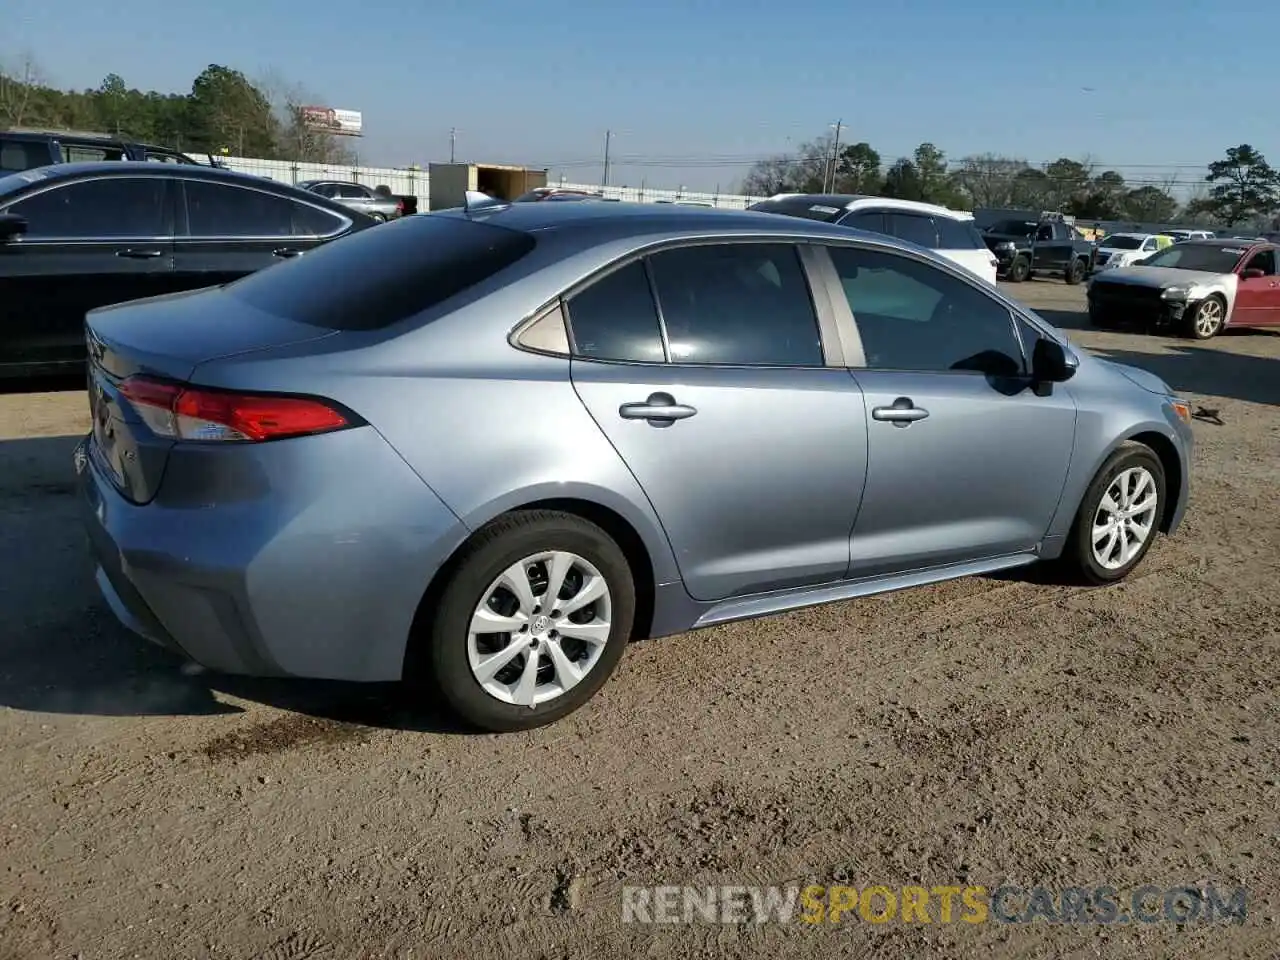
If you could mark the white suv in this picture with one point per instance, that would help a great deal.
(951, 233)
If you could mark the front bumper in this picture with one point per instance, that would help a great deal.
(315, 571)
(1124, 305)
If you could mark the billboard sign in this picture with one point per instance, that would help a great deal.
(340, 123)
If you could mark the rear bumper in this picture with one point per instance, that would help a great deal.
(313, 569)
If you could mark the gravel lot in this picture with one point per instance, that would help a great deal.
(985, 731)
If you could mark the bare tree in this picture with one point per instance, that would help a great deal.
(990, 180)
(19, 80)
(297, 139)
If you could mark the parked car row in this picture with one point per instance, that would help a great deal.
(648, 355)
(75, 236)
(1024, 248)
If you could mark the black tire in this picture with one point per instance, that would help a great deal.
(1191, 321)
(504, 542)
(1101, 320)
(1078, 556)
(1075, 273)
(1019, 270)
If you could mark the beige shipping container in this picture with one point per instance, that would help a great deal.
(449, 182)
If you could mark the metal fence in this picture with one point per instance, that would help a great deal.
(417, 183)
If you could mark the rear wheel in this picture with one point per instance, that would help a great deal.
(1118, 518)
(532, 621)
(1205, 320)
(1075, 273)
(1019, 270)
(378, 218)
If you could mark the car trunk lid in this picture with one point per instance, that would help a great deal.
(165, 338)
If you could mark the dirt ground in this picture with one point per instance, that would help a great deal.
(985, 731)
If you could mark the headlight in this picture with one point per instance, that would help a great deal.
(1175, 293)
(1006, 245)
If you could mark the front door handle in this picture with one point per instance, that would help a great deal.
(286, 253)
(902, 413)
(142, 254)
(659, 409)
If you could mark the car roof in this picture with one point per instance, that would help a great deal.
(857, 201)
(117, 168)
(1242, 242)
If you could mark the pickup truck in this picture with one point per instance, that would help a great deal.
(1026, 247)
(25, 149)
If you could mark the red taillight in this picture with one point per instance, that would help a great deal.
(399, 207)
(194, 413)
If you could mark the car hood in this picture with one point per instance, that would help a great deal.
(1143, 378)
(1159, 276)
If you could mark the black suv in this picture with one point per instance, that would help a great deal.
(24, 149)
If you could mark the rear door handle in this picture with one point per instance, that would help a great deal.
(902, 413)
(286, 252)
(145, 254)
(659, 409)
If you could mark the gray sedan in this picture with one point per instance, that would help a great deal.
(482, 450)
(357, 196)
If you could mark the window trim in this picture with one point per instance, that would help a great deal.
(849, 321)
(183, 217)
(170, 217)
(832, 351)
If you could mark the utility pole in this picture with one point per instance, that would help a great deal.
(453, 140)
(835, 159)
(608, 136)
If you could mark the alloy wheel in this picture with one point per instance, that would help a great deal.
(1208, 318)
(1125, 517)
(540, 628)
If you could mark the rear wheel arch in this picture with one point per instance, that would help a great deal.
(619, 529)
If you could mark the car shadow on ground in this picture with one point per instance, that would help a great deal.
(63, 651)
(1208, 371)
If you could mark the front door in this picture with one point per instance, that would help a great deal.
(751, 450)
(965, 461)
(89, 243)
(227, 231)
(1258, 298)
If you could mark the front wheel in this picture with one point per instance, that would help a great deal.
(532, 622)
(1019, 270)
(1205, 320)
(378, 218)
(1119, 516)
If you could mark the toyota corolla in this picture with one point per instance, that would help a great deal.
(482, 449)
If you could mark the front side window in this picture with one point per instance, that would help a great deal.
(616, 319)
(1264, 260)
(737, 303)
(106, 209)
(225, 210)
(913, 316)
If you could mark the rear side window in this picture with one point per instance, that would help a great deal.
(18, 155)
(914, 228)
(872, 220)
(958, 235)
(616, 319)
(376, 277)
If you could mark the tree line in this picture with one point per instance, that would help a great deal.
(224, 112)
(1241, 188)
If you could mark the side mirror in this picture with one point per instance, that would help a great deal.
(11, 225)
(1251, 274)
(1051, 362)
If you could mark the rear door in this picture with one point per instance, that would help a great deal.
(964, 461)
(751, 448)
(227, 231)
(1258, 298)
(89, 243)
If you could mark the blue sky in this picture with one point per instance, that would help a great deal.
(694, 90)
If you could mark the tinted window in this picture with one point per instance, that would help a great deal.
(1264, 260)
(872, 220)
(737, 303)
(374, 278)
(223, 210)
(18, 155)
(807, 207)
(85, 153)
(912, 316)
(1017, 228)
(615, 318)
(958, 235)
(914, 229)
(351, 190)
(1118, 242)
(1198, 256)
(92, 209)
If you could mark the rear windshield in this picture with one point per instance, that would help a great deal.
(1118, 242)
(384, 274)
(808, 208)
